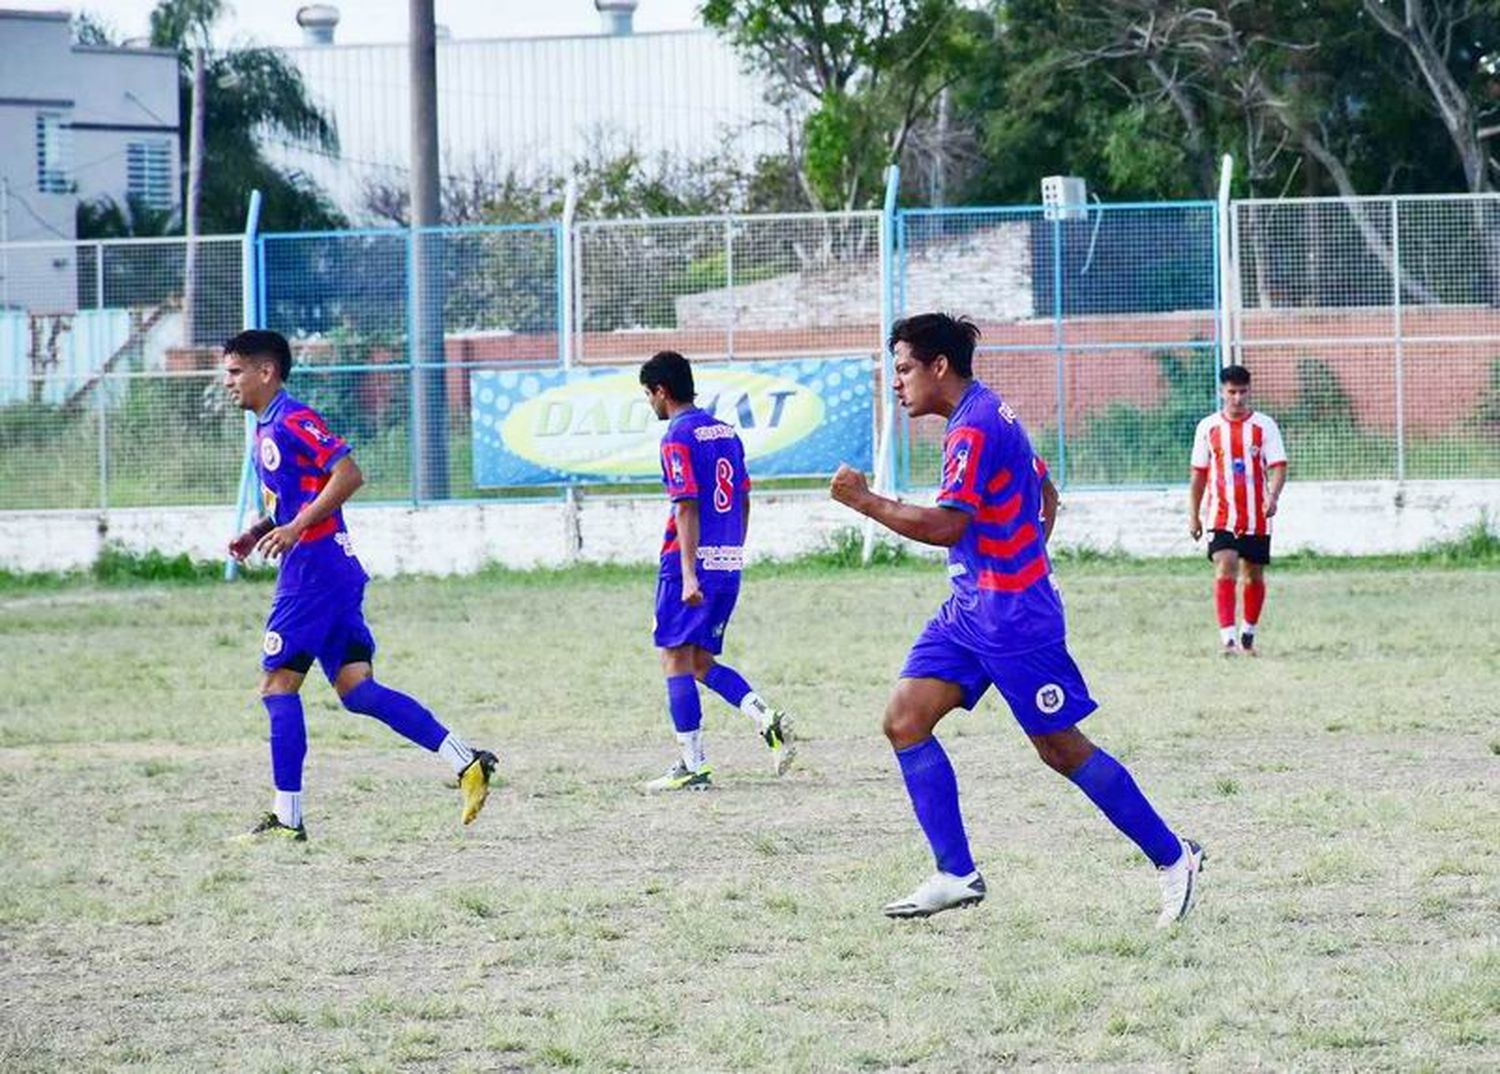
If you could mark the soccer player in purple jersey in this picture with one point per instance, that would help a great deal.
(306, 475)
(703, 468)
(1002, 625)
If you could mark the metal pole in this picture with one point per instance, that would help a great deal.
(250, 290)
(4, 243)
(883, 443)
(565, 275)
(1400, 342)
(98, 275)
(430, 386)
(1225, 252)
(1057, 343)
(575, 282)
(99, 392)
(729, 284)
(194, 196)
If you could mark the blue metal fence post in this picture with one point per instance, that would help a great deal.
(252, 306)
(900, 308)
(884, 445)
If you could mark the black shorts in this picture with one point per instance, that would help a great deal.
(1252, 549)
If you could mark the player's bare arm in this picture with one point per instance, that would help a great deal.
(1196, 484)
(1049, 509)
(1275, 482)
(940, 526)
(343, 482)
(687, 549)
(245, 543)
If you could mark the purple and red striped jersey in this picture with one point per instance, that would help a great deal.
(1004, 599)
(294, 455)
(703, 459)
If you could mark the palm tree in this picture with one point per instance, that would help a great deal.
(252, 94)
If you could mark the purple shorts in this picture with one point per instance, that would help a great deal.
(1044, 688)
(703, 626)
(326, 627)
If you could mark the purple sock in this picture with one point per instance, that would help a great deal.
(727, 683)
(1110, 787)
(288, 740)
(934, 795)
(403, 715)
(683, 703)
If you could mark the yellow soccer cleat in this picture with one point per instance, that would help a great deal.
(474, 783)
(779, 737)
(270, 825)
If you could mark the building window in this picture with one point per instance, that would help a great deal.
(148, 172)
(53, 149)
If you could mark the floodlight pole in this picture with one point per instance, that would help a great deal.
(194, 198)
(428, 377)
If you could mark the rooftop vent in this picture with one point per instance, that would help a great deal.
(317, 22)
(617, 16)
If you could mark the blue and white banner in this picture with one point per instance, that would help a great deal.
(547, 427)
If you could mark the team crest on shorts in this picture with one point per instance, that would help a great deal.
(1050, 699)
(270, 454)
(272, 644)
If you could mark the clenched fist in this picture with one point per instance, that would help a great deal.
(848, 486)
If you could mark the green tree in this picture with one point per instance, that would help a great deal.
(106, 218)
(864, 75)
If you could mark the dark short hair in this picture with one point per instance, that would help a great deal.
(670, 370)
(1237, 375)
(260, 345)
(930, 335)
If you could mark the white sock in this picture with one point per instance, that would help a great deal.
(691, 743)
(1227, 635)
(457, 753)
(1248, 630)
(289, 808)
(752, 706)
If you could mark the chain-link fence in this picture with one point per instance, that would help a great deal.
(728, 287)
(105, 398)
(374, 315)
(1372, 329)
(1099, 329)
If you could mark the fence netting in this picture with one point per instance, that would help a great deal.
(1372, 330)
(1100, 330)
(1371, 327)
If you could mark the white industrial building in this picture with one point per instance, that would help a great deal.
(536, 104)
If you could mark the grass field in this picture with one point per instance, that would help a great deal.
(1347, 786)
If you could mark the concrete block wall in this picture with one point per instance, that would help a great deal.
(1335, 518)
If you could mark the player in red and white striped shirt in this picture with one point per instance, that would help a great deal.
(1240, 461)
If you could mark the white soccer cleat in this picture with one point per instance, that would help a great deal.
(682, 778)
(1179, 884)
(1229, 649)
(939, 892)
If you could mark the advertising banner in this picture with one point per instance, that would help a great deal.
(548, 427)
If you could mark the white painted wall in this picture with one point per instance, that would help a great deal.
(107, 98)
(1357, 518)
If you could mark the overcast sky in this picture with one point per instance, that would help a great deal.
(273, 22)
